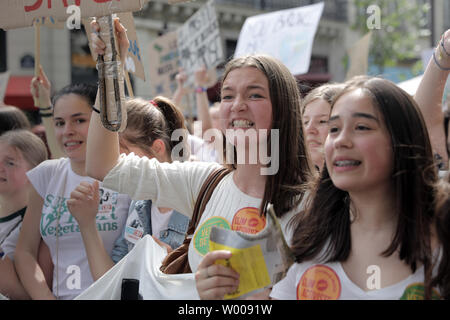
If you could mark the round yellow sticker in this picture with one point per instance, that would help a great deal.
(319, 282)
(248, 220)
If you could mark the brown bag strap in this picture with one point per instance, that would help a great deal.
(204, 195)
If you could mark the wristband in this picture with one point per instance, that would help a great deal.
(200, 89)
(45, 115)
(46, 108)
(437, 63)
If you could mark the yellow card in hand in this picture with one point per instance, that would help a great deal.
(249, 263)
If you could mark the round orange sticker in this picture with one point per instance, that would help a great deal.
(248, 220)
(319, 282)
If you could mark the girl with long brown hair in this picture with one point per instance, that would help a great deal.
(258, 95)
(367, 232)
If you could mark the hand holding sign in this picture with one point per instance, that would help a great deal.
(99, 46)
(40, 89)
(111, 37)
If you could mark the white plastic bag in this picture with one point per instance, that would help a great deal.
(142, 263)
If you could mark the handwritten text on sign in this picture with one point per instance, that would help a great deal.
(22, 13)
(287, 35)
(199, 41)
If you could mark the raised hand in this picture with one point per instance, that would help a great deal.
(201, 77)
(83, 203)
(40, 88)
(121, 35)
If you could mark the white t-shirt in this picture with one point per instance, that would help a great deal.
(328, 281)
(176, 185)
(9, 227)
(201, 150)
(54, 180)
(9, 245)
(160, 221)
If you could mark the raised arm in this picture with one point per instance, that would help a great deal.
(201, 80)
(181, 90)
(429, 96)
(102, 149)
(40, 90)
(103, 145)
(25, 257)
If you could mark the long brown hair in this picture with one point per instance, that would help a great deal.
(285, 188)
(327, 219)
(442, 225)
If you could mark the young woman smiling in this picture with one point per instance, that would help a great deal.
(372, 208)
(258, 93)
(47, 214)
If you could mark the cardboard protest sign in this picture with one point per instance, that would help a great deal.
(50, 22)
(22, 13)
(199, 41)
(359, 57)
(287, 35)
(134, 62)
(163, 55)
(4, 78)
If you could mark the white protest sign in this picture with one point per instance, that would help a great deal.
(22, 13)
(287, 35)
(199, 41)
(4, 78)
(163, 54)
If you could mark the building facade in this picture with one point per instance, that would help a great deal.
(65, 54)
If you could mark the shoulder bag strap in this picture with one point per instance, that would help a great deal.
(204, 195)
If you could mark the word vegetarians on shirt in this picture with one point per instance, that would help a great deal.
(56, 205)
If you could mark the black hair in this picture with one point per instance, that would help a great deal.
(84, 90)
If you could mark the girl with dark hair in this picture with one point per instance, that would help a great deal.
(258, 95)
(47, 214)
(150, 126)
(367, 231)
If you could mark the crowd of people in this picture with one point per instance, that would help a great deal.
(360, 178)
